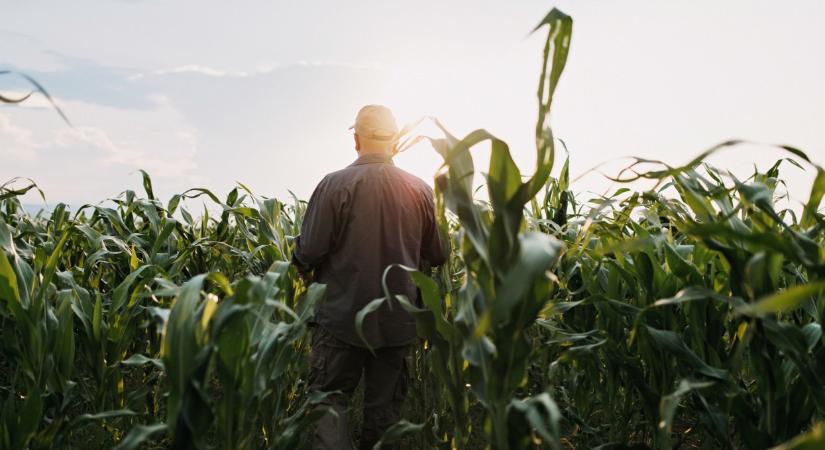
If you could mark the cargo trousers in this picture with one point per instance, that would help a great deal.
(337, 366)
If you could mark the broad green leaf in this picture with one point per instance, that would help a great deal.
(30, 416)
(397, 431)
(83, 418)
(538, 253)
(139, 434)
(543, 415)
(817, 192)
(133, 259)
(670, 342)
(359, 319)
(670, 402)
(783, 301)
(8, 280)
(139, 360)
(147, 184)
(97, 317)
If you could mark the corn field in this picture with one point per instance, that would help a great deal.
(687, 315)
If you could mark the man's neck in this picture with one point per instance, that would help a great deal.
(368, 158)
(373, 152)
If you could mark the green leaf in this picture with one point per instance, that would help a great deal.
(167, 230)
(179, 347)
(783, 301)
(121, 292)
(811, 440)
(558, 38)
(97, 317)
(147, 184)
(8, 280)
(359, 319)
(431, 297)
(133, 259)
(817, 192)
(691, 294)
(140, 434)
(538, 253)
(543, 415)
(397, 431)
(39, 88)
(139, 360)
(671, 343)
(504, 177)
(231, 338)
(30, 416)
(52, 261)
(670, 402)
(64, 346)
(83, 418)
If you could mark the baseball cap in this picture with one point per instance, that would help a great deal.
(375, 122)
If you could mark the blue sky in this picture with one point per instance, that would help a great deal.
(206, 93)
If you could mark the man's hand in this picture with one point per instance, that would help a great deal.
(306, 277)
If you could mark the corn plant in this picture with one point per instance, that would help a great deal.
(95, 313)
(482, 344)
(710, 301)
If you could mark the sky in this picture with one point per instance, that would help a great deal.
(210, 93)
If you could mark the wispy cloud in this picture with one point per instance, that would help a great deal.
(169, 164)
(81, 79)
(11, 34)
(159, 141)
(261, 69)
(16, 142)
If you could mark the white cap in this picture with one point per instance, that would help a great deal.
(375, 122)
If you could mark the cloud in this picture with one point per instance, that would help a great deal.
(174, 158)
(99, 158)
(179, 163)
(16, 142)
(260, 69)
(26, 50)
(11, 34)
(197, 69)
(82, 80)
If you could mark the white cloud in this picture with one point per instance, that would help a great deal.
(260, 69)
(161, 164)
(99, 157)
(16, 142)
(27, 50)
(194, 68)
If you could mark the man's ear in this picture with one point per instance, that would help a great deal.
(357, 142)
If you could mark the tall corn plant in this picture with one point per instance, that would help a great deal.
(86, 299)
(37, 317)
(709, 302)
(477, 338)
(228, 364)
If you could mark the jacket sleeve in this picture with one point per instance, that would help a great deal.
(435, 247)
(319, 228)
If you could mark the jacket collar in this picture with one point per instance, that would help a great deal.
(372, 158)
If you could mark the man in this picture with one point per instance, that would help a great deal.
(359, 221)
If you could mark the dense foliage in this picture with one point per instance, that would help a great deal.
(687, 315)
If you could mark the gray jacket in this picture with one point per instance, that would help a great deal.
(360, 220)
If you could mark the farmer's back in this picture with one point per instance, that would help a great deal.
(360, 221)
(374, 215)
